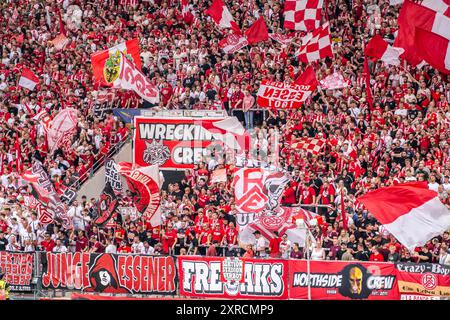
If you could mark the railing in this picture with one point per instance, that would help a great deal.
(98, 164)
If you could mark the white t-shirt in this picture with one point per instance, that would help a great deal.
(433, 186)
(261, 243)
(110, 248)
(137, 247)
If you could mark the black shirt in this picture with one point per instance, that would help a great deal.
(362, 256)
(3, 243)
(428, 254)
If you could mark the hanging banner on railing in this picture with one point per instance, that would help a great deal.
(109, 273)
(179, 143)
(338, 280)
(233, 278)
(423, 279)
(18, 270)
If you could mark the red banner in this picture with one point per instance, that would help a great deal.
(422, 281)
(338, 280)
(109, 273)
(18, 270)
(179, 143)
(281, 95)
(232, 278)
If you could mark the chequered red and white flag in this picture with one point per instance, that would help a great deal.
(316, 45)
(312, 145)
(302, 15)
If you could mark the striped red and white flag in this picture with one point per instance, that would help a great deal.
(28, 79)
(409, 211)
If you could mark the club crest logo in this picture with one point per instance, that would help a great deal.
(232, 275)
(156, 153)
(112, 67)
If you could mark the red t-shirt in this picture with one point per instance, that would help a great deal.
(217, 235)
(231, 236)
(125, 249)
(48, 245)
(274, 245)
(376, 257)
(168, 240)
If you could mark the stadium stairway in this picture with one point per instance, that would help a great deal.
(93, 187)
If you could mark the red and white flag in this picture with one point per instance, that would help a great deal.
(280, 95)
(424, 33)
(145, 186)
(222, 16)
(312, 145)
(62, 129)
(284, 39)
(188, 17)
(380, 49)
(283, 223)
(308, 78)
(409, 211)
(218, 175)
(351, 151)
(131, 78)
(60, 41)
(334, 81)
(257, 32)
(106, 63)
(233, 43)
(316, 45)
(28, 79)
(256, 189)
(44, 119)
(302, 15)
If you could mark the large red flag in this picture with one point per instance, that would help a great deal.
(435, 49)
(431, 16)
(378, 48)
(308, 77)
(106, 63)
(257, 32)
(410, 211)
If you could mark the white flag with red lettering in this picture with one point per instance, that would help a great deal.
(130, 78)
(334, 81)
(233, 43)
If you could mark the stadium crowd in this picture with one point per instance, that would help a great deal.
(404, 137)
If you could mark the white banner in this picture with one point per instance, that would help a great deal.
(280, 95)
